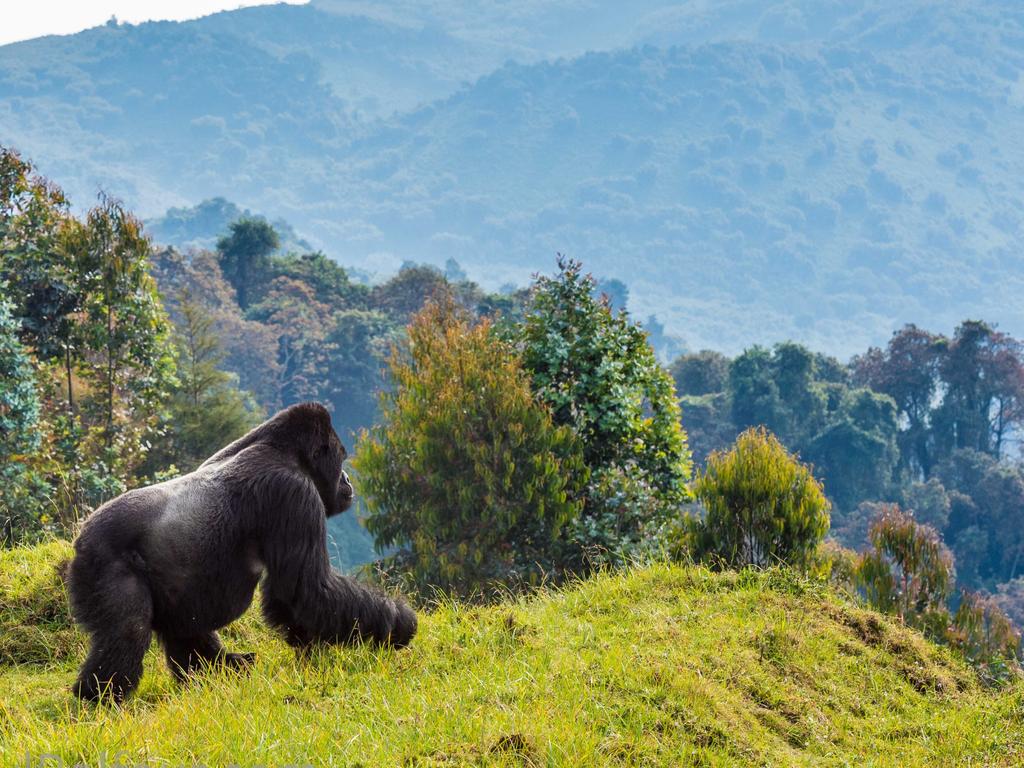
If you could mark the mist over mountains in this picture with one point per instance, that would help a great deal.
(754, 171)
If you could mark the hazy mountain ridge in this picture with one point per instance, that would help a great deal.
(833, 171)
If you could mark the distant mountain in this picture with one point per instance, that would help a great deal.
(754, 171)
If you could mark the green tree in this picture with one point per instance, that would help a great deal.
(701, 373)
(987, 637)
(599, 376)
(856, 453)
(125, 328)
(908, 371)
(355, 367)
(762, 506)
(43, 279)
(19, 430)
(908, 571)
(245, 254)
(466, 472)
(206, 410)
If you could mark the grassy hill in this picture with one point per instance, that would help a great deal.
(658, 666)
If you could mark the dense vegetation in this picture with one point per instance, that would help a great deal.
(780, 163)
(655, 666)
(928, 422)
(126, 364)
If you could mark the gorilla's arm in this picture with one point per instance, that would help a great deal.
(305, 598)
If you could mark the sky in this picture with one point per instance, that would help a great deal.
(25, 19)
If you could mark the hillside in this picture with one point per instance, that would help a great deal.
(754, 171)
(663, 665)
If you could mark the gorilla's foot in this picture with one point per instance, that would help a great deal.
(239, 661)
(91, 688)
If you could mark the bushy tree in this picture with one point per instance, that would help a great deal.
(908, 571)
(600, 377)
(700, 373)
(466, 473)
(855, 452)
(244, 255)
(762, 506)
(205, 410)
(19, 430)
(986, 636)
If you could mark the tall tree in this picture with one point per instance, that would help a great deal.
(245, 253)
(466, 471)
(125, 327)
(908, 371)
(983, 376)
(19, 428)
(205, 409)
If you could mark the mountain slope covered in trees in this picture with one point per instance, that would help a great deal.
(754, 170)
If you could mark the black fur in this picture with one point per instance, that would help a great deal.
(182, 559)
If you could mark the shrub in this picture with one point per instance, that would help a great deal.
(762, 506)
(466, 472)
(908, 571)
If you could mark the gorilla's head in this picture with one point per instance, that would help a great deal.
(308, 426)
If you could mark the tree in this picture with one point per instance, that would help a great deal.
(249, 347)
(596, 372)
(762, 506)
(983, 400)
(406, 293)
(701, 373)
(19, 429)
(355, 369)
(907, 371)
(43, 278)
(125, 328)
(778, 390)
(244, 254)
(328, 280)
(987, 637)
(908, 571)
(301, 322)
(206, 410)
(855, 453)
(466, 472)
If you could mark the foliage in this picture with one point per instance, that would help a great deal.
(762, 506)
(205, 410)
(466, 471)
(700, 373)
(855, 450)
(19, 428)
(244, 255)
(987, 638)
(908, 571)
(600, 377)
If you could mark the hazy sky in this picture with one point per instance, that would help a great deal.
(23, 19)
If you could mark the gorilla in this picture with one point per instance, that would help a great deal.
(182, 558)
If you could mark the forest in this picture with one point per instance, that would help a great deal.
(563, 446)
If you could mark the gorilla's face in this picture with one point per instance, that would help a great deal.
(345, 492)
(328, 457)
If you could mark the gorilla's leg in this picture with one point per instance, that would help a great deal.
(118, 613)
(186, 655)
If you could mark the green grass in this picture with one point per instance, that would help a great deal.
(663, 665)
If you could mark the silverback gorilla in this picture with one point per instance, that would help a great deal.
(182, 558)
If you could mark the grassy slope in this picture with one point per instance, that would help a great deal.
(659, 666)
